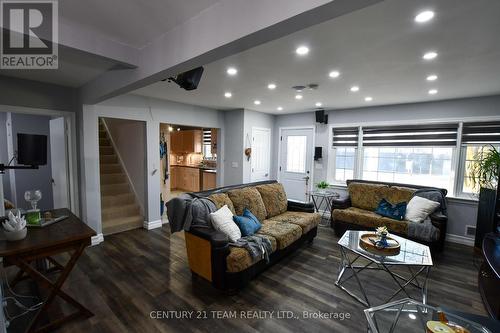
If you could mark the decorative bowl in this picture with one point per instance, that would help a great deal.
(15, 235)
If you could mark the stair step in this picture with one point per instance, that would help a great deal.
(108, 159)
(106, 150)
(108, 201)
(104, 142)
(103, 134)
(113, 178)
(110, 168)
(114, 189)
(113, 226)
(120, 211)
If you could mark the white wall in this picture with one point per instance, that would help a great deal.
(461, 212)
(153, 112)
(261, 120)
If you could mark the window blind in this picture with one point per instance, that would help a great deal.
(481, 133)
(345, 137)
(411, 135)
(207, 136)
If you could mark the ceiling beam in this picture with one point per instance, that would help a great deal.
(226, 28)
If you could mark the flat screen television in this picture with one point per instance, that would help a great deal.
(31, 149)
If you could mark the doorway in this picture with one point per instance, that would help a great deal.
(296, 157)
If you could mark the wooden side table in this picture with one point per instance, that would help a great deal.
(68, 236)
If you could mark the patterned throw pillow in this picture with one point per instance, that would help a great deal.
(274, 197)
(395, 212)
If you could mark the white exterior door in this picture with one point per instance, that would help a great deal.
(59, 161)
(261, 154)
(296, 147)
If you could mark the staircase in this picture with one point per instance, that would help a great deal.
(119, 209)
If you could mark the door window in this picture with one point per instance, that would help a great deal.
(296, 153)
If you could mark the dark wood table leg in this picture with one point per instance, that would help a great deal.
(55, 291)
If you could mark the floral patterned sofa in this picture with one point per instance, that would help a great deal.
(356, 211)
(286, 224)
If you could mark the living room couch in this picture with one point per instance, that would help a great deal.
(287, 225)
(356, 211)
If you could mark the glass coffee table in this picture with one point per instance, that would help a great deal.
(410, 316)
(413, 258)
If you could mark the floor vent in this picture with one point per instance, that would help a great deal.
(470, 230)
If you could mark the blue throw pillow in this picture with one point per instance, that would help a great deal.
(396, 212)
(247, 223)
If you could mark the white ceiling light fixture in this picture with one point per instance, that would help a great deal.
(279, 108)
(298, 96)
(334, 74)
(302, 50)
(271, 86)
(257, 102)
(228, 95)
(368, 99)
(354, 88)
(430, 55)
(432, 77)
(232, 71)
(319, 104)
(433, 92)
(424, 16)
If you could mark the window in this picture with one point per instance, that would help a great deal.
(296, 153)
(345, 142)
(431, 166)
(470, 152)
(207, 144)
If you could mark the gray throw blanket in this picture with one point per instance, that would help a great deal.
(257, 246)
(187, 210)
(426, 231)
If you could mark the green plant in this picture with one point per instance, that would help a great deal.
(322, 185)
(484, 170)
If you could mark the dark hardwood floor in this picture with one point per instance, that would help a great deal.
(135, 273)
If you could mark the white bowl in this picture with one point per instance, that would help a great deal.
(15, 235)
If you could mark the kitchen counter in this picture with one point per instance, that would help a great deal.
(205, 168)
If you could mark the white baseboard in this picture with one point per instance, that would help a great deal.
(152, 225)
(97, 239)
(459, 239)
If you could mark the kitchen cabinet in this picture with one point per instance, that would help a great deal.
(209, 180)
(186, 141)
(185, 179)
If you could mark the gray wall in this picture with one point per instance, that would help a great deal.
(129, 137)
(4, 155)
(262, 120)
(233, 153)
(461, 212)
(39, 179)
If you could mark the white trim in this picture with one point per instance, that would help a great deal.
(152, 225)
(120, 160)
(97, 239)
(460, 240)
(280, 129)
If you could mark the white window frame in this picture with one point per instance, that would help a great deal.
(332, 153)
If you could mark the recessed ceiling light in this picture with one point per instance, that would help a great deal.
(232, 71)
(433, 92)
(228, 95)
(256, 102)
(319, 104)
(170, 128)
(354, 88)
(334, 74)
(271, 86)
(279, 108)
(368, 99)
(424, 16)
(298, 96)
(302, 50)
(430, 55)
(432, 77)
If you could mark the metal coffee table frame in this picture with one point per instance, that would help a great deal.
(348, 264)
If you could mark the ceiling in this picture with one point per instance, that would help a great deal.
(378, 48)
(75, 69)
(131, 22)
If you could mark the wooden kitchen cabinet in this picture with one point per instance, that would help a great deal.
(174, 176)
(185, 179)
(209, 180)
(186, 141)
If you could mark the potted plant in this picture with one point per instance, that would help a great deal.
(322, 185)
(484, 174)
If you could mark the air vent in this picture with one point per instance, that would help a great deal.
(470, 230)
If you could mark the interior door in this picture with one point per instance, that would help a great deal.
(296, 162)
(59, 163)
(261, 154)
